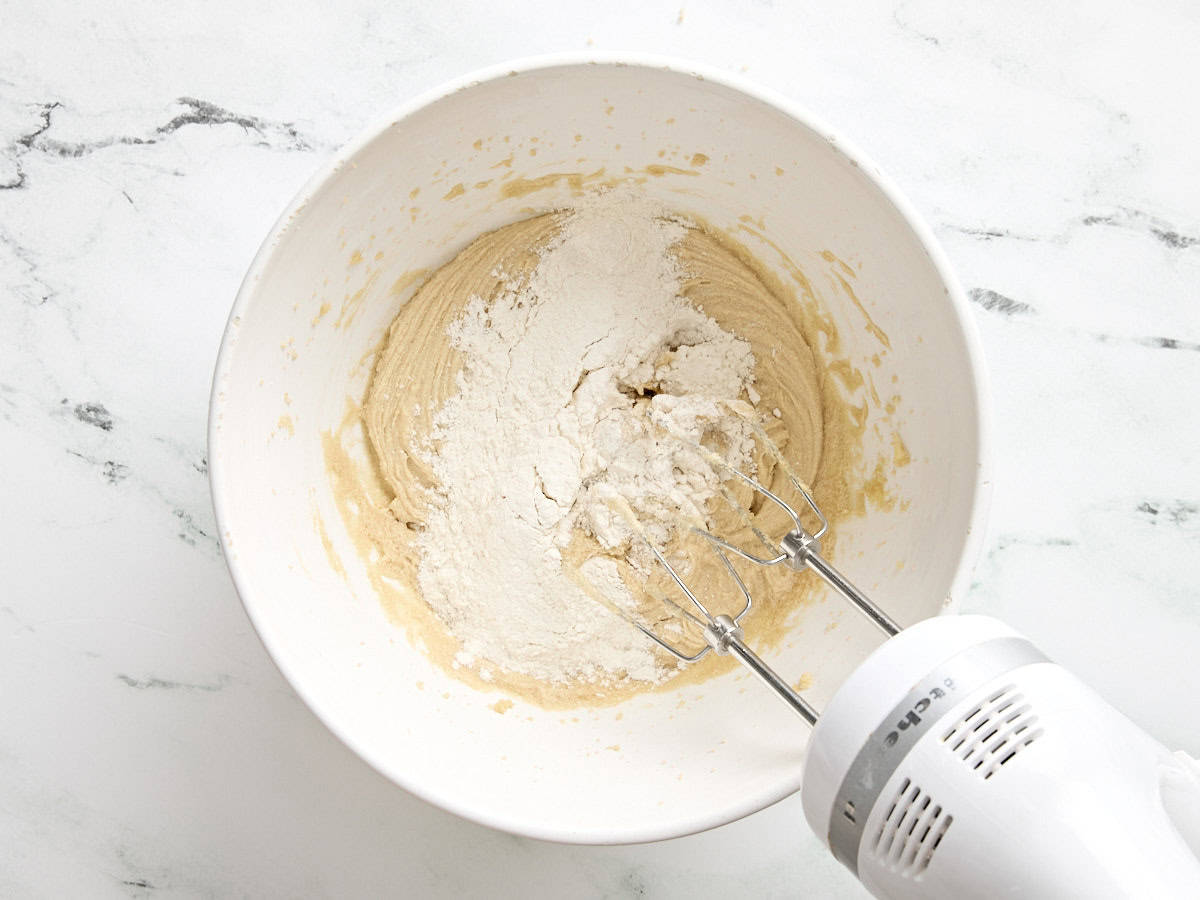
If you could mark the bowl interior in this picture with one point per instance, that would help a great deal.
(405, 200)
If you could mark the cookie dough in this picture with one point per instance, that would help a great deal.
(797, 400)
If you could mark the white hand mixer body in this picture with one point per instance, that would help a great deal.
(958, 761)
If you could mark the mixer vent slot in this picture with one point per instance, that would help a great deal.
(911, 831)
(992, 733)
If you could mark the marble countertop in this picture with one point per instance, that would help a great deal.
(150, 748)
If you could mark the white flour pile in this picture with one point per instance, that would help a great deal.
(570, 381)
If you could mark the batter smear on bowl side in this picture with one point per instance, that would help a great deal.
(558, 368)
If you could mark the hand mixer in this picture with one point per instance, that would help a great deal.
(958, 761)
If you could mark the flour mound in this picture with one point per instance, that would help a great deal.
(589, 380)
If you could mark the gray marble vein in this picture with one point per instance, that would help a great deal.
(994, 301)
(164, 684)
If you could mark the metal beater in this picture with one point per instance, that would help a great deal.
(799, 549)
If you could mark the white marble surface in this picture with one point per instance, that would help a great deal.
(147, 745)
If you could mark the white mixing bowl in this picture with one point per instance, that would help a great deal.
(407, 195)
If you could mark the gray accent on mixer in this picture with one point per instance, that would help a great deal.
(889, 744)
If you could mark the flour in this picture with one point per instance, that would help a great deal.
(577, 383)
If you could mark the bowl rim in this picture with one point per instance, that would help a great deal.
(982, 489)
